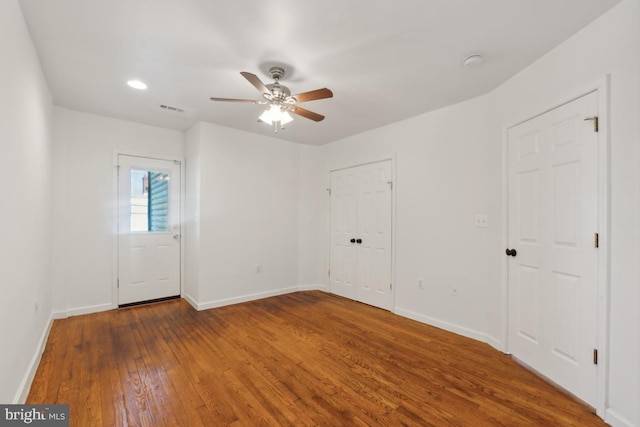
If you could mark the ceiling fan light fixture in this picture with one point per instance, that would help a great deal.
(275, 114)
(285, 118)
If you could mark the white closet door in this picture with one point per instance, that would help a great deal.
(361, 234)
(553, 193)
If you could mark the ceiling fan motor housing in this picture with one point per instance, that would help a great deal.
(279, 91)
(276, 73)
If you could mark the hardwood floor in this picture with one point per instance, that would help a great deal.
(307, 358)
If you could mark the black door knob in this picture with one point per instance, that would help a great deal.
(511, 252)
(352, 240)
(359, 241)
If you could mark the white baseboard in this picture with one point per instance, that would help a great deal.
(198, 306)
(450, 327)
(318, 287)
(495, 343)
(82, 310)
(188, 298)
(615, 419)
(251, 297)
(25, 386)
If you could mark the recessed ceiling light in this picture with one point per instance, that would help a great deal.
(472, 60)
(137, 84)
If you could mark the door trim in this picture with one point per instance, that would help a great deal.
(391, 158)
(602, 87)
(114, 225)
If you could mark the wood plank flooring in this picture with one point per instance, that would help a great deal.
(307, 358)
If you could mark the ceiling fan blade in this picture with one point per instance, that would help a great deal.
(307, 114)
(255, 81)
(313, 95)
(234, 100)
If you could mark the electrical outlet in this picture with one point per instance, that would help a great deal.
(482, 221)
(455, 290)
(420, 284)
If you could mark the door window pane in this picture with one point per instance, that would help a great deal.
(149, 200)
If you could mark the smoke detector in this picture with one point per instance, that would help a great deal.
(472, 60)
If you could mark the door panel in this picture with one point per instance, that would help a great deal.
(528, 206)
(552, 220)
(148, 229)
(528, 305)
(565, 316)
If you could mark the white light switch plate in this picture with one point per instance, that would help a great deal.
(482, 221)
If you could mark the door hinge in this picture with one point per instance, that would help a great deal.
(390, 286)
(596, 240)
(595, 356)
(329, 272)
(118, 283)
(596, 125)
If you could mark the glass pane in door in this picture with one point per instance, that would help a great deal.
(149, 201)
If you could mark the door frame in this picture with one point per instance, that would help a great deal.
(391, 158)
(602, 87)
(115, 231)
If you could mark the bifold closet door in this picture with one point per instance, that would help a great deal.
(361, 224)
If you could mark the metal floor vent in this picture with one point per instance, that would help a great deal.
(170, 108)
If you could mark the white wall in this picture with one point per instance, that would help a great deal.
(313, 217)
(191, 232)
(85, 208)
(25, 251)
(248, 215)
(449, 168)
(609, 45)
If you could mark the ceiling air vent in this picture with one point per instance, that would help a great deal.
(170, 108)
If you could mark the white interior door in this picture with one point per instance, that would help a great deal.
(148, 229)
(553, 203)
(361, 224)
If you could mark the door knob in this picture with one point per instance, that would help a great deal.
(511, 252)
(352, 240)
(359, 241)
(176, 236)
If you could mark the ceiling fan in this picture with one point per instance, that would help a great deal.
(279, 99)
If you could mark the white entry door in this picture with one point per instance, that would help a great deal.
(553, 218)
(361, 233)
(148, 229)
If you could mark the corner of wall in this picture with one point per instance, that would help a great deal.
(25, 384)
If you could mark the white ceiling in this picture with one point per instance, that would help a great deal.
(384, 60)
